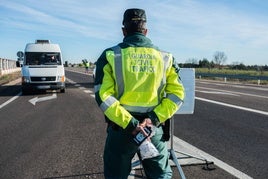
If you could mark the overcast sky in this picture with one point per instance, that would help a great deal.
(186, 28)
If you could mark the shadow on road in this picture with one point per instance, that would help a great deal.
(10, 90)
(94, 174)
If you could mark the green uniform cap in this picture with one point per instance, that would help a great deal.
(134, 15)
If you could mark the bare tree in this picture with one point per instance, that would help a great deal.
(219, 58)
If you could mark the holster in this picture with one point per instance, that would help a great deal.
(113, 125)
(166, 130)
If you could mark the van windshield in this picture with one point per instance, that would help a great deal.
(42, 58)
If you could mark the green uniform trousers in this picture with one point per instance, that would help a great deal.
(120, 149)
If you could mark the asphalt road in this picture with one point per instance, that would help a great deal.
(237, 137)
(62, 135)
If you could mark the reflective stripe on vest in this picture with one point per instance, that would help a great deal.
(107, 103)
(163, 82)
(174, 98)
(118, 70)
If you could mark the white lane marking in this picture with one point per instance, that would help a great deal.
(80, 87)
(194, 156)
(234, 85)
(36, 99)
(233, 106)
(71, 81)
(79, 72)
(233, 92)
(91, 91)
(216, 92)
(178, 143)
(10, 100)
(87, 91)
(92, 95)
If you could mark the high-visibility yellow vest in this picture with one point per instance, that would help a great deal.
(139, 80)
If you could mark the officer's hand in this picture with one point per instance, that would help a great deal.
(148, 122)
(139, 128)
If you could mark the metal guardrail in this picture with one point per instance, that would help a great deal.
(259, 78)
(230, 76)
(8, 66)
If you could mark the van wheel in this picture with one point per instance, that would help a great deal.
(25, 92)
(62, 90)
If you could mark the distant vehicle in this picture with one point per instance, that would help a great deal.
(42, 67)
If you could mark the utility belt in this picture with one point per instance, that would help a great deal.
(165, 126)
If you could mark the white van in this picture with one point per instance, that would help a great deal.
(42, 67)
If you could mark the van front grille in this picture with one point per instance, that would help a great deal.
(44, 78)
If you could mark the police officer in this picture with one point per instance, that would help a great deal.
(87, 66)
(136, 85)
